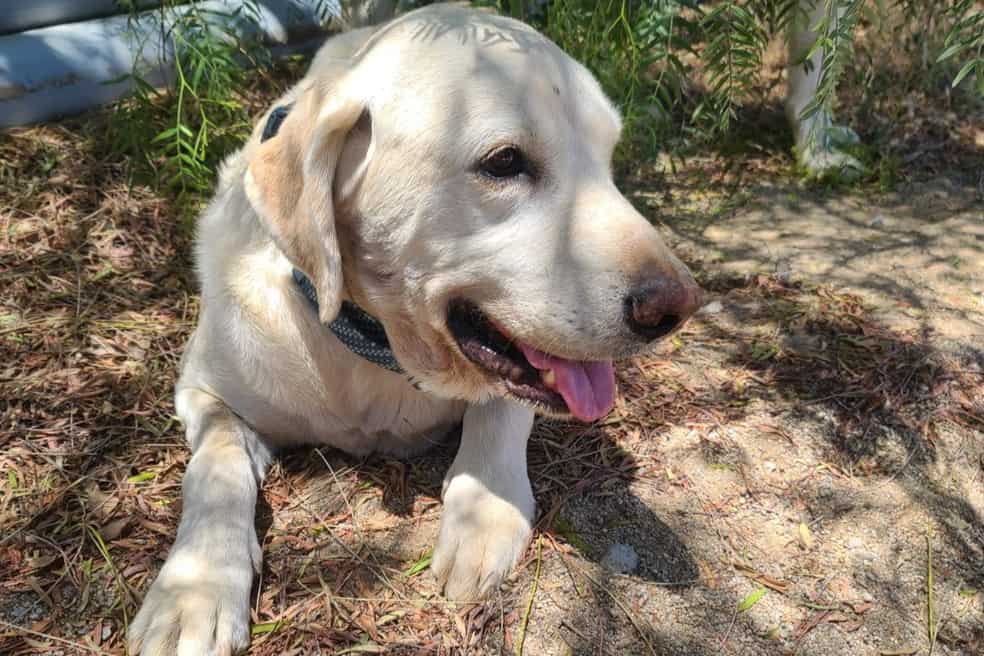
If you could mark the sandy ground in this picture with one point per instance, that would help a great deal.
(831, 513)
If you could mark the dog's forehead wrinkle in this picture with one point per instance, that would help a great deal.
(546, 96)
(464, 27)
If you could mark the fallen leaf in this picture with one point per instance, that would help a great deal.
(420, 565)
(760, 578)
(265, 627)
(753, 598)
(113, 529)
(806, 537)
(142, 477)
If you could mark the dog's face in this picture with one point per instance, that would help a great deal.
(463, 163)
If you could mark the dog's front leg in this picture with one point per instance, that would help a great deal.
(199, 603)
(488, 502)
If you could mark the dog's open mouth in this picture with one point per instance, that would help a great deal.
(584, 389)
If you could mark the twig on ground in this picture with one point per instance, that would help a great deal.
(931, 625)
(47, 636)
(520, 641)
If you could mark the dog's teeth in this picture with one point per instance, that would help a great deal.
(549, 378)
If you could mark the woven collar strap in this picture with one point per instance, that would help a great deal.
(359, 331)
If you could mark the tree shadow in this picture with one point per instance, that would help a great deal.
(884, 394)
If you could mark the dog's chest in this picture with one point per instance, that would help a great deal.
(387, 416)
(359, 409)
(323, 394)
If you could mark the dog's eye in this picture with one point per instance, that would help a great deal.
(505, 162)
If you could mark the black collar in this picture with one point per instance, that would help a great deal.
(359, 331)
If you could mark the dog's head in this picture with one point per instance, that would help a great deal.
(454, 179)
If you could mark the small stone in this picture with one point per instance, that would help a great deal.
(868, 556)
(878, 221)
(621, 558)
(712, 308)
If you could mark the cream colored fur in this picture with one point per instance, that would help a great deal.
(370, 188)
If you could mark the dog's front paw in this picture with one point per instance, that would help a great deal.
(198, 606)
(483, 536)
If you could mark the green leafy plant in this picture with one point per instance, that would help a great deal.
(650, 56)
(835, 39)
(177, 133)
(732, 58)
(633, 49)
(966, 39)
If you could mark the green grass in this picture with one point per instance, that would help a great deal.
(176, 136)
(682, 72)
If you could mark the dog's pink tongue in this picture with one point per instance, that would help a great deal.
(588, 388)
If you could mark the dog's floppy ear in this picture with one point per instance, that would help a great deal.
(289, 182)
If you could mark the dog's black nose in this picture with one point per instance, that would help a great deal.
(660, 306)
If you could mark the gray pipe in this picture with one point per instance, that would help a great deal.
(65, 69)
(21, 15)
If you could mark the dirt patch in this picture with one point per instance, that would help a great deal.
(914, 258)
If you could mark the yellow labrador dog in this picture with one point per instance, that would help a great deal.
(423, 233)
